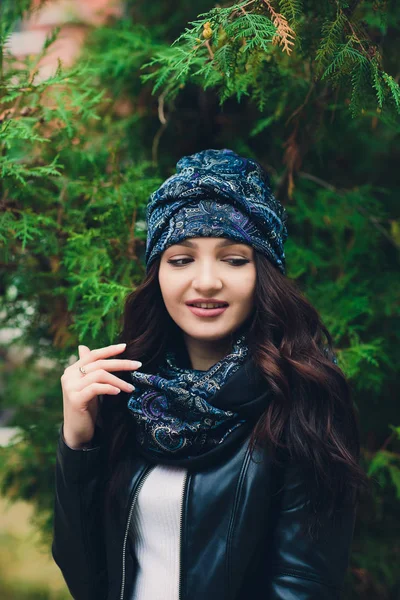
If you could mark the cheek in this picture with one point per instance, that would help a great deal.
(244, 285)
(170, 284)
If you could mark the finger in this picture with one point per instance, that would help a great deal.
(113, 365)
(102, 353)
(101, 376)
(86, 356)
(94, 389)
(83, 351)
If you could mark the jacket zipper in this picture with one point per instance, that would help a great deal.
(139, 485)
(184, 488)
(242, 474)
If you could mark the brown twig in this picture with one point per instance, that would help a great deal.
(300, 108)
(356, 37)
(316, 179)
(160, 131)
(131, 238)
(248, 4)
(161, 114)
(211, 53)
(387, 441)
(60, 211)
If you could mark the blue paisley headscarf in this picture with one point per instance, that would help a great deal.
(217, 193)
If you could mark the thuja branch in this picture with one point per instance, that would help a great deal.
(284, 31)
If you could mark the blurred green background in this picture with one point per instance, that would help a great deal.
(99, 100)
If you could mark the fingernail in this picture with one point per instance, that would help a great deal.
(131, 387)
(120, 345)
(139, 364)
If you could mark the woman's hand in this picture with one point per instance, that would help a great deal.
(80, 392)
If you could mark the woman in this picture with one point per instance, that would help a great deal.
(231, 470)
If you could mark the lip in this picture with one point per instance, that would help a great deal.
(207, 312)
(206, 300)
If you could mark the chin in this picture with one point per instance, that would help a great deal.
(208, 333)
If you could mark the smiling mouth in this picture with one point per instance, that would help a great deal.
(207, 312)
(206, 305)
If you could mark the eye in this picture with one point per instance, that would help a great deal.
(237, 262)
(178, 260)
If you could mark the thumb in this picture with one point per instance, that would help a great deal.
(83, 351)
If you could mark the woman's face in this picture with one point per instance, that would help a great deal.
(208, 267)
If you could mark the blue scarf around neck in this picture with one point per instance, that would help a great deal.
(172, 410)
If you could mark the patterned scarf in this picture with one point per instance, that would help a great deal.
(173, 409)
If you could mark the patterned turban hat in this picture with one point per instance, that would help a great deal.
(217, 193)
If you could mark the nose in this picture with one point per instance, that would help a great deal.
(206, 277)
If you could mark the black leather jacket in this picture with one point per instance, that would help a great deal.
(241, 534)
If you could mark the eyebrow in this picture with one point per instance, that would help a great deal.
(224, 242)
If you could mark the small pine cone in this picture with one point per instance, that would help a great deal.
(207, 31)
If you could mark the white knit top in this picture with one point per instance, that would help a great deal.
(155, 531)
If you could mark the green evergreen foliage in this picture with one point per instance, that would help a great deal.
(310, 89)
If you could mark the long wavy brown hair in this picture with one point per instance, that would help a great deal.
(311, 418)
